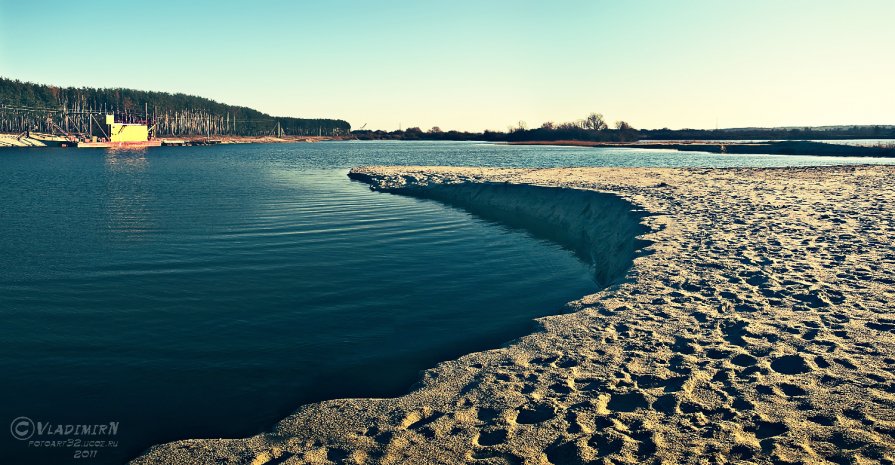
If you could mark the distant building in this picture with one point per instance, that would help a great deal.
(122, 135)
(125, 132)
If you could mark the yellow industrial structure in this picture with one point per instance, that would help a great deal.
(123, 132)
(121, 135)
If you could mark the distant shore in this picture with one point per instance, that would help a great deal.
(787, 147)
(212, 140)
(17, 140)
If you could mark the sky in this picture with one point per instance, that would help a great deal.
(475, 65)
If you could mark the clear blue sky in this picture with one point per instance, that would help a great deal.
(475, 64)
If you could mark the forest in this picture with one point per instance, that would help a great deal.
(25, 106)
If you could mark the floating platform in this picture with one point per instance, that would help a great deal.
(120, 144)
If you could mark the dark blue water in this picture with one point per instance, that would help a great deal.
(208, 291)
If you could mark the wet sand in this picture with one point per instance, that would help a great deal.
(757, 328)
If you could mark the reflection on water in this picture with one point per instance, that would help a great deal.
(126, 159)
(127, 195)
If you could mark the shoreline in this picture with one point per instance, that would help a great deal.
(787, 147)
(13, 140)
(214, 140)
(756, 328)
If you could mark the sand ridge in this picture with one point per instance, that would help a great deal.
(758, 329)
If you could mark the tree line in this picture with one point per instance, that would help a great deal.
(595, 128)
(27, 106)
(592, 128)
(807, 133)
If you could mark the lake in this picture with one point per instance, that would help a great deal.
(209, 291)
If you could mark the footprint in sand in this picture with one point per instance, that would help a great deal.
(790, 365)
(743, 360)
(491, 438)
(487, 415)
(627, 402)
(791, 390)
(607, 444)
(536, 414)
(881, 325)
(561, 389)
(561, 453)
(765, 429)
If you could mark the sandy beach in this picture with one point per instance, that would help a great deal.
(753, 325)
